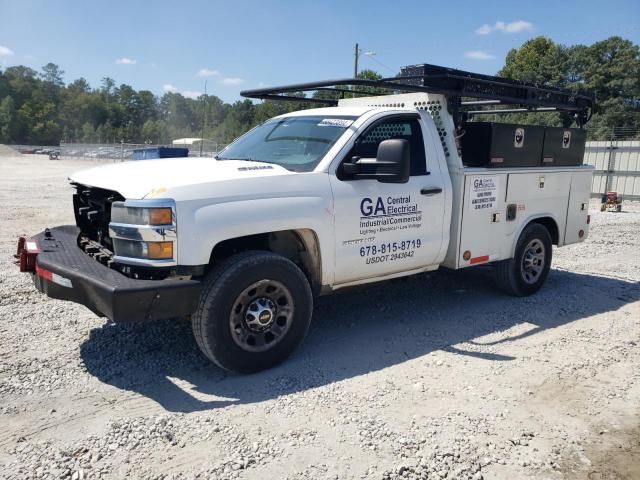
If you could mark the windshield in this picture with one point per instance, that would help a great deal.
(296, 143)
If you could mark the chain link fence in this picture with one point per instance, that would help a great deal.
(613, 134)
(616, 160)
(118, 152)
(615, 156)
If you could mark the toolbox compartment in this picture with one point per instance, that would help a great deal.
(563, 146)
(489, 144)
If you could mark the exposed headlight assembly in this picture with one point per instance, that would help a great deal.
(141, 215)
(137, 249)
(144, 232)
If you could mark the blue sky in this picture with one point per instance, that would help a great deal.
(170, 45)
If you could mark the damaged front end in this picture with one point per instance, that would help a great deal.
(119, 260)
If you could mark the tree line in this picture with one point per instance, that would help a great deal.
(610, 69)
(38, 108)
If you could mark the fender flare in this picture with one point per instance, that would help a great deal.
(533, 219)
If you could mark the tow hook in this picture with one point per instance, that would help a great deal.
(26, 255)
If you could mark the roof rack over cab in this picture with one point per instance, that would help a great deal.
(478, 90)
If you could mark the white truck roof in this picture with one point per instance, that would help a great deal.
(355, 111)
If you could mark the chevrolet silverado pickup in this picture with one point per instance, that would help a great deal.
(392, 178)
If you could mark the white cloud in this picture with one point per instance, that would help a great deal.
(511, 27)
(518, 26)
(478, 55)
(232, 81)
(485, 29)
(190, 94)
(125, 61)
(168, 88)
(205, 72)
(5, 51)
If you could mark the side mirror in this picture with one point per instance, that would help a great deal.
(391, 164)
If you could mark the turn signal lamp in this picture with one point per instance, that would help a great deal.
(159, 216)
(160, 250)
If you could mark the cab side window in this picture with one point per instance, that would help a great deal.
(408, 129)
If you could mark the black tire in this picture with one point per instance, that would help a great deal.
(522, 275)
(252, 282)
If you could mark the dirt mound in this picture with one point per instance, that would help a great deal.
(6, 151)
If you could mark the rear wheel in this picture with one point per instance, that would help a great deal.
(527, 271)
(254, 310)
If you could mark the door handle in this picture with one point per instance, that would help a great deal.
(430, 191)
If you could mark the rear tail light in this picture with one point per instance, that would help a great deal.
(26, 254)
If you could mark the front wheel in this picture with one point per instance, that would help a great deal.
(254, 310)
(527, 271)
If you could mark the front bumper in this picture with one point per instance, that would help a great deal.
(65, 272)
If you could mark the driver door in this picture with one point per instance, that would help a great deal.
(386, 228)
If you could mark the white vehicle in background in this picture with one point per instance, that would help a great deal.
(373, 188)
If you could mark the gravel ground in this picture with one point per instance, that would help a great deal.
(440, 377)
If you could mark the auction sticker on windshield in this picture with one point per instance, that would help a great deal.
(335, 122)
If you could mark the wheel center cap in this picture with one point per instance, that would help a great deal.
(265, 316)
(260, 314)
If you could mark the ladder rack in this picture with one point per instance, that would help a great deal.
(454, 84)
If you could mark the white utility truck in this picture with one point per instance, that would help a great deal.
(391, 180)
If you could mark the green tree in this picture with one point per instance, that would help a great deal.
(88, 133)
(7, 118)
(147, 105)
(155, 131)
(52, 74)
(610, 69)
(79, 86)
(539, 60)
(22, 82)
(39, 108)
(239, 119)
(270, 108)
(45, 128)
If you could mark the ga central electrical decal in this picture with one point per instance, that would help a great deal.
(387, 214)
(484, 193)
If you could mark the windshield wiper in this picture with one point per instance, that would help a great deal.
(247, 159)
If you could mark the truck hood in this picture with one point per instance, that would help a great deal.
(138, 179)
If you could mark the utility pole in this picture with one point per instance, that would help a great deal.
(204, 116)
(355, 65)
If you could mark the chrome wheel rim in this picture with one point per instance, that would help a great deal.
(261, 315)
(533, 261)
